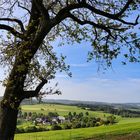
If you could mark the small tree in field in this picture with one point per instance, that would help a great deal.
(28, 28)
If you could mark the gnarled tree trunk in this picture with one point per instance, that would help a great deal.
(14, 92)
(8, 114)
(8, 119)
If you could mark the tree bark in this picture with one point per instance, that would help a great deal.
(8, 120)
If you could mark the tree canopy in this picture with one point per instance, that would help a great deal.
(110, 27)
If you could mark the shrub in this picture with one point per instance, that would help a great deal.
(42, 109)
(19, 121)
(83, 124)
(88, 124)
(76, 125)
(30, 129)
(56, 127)
(20, 130)
(67, 126)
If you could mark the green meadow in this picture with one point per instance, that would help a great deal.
(125, 129)
(60, 109)
(83, 133)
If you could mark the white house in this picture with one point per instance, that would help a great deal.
(61, 119)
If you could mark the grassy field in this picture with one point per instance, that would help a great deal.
(101, 132)
(126, 129)
(129, 120)
(60, 109)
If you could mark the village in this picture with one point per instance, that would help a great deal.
(46, 121)
(54, 121)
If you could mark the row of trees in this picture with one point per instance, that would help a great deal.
(89, 121)
(34, 115)
(110, 109)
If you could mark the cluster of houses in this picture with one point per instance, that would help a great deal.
(53, 120)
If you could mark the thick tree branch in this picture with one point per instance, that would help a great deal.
(112, 16)
(34, 93)
(14, 20)
(63, 12)
(101, 26)
(42, 9)
(85, 5)
(11, 30)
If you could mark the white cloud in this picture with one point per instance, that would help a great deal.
(79, 65)
(97, 89)
(61, 75)
(104, 90)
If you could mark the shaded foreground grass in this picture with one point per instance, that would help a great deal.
(85, 133)
(131, 136)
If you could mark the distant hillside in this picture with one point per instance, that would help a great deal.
(70, 102)
(127, 106)
(124, 110)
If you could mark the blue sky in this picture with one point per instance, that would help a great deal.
(119, 84)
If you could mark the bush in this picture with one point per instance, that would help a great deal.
(39, 129)
(19, 121)
(67, 126)
(88, 124)
(83, 124)
(97, 124)
(30, 129)
(56, 127)
(76, 125)
(20, 130)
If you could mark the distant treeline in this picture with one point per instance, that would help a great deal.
(110, 109)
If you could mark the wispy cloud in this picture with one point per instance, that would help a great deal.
(98, 89)
(79, 65)
(61, 76)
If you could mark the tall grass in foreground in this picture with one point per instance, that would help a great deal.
(83, 133)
